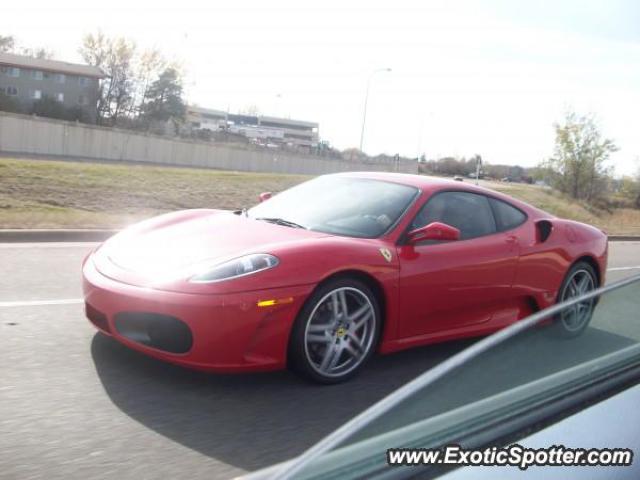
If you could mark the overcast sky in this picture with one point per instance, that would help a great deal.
(488, 77)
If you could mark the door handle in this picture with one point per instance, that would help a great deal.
(512, 239)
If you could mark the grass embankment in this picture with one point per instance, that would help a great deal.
(51, 194)
(620, 221)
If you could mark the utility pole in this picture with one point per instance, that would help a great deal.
(366, 100)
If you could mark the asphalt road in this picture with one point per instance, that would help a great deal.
(75, 404)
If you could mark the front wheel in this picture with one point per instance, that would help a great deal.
(336, 331)
(572, 321)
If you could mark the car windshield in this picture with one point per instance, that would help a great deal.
(354, 207)
(523, 372)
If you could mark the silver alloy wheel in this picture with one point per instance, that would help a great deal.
(340, 332)
(576, 316)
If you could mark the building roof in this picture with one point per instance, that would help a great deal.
(284, 122)
(209, 111)
(288, 121)
(56, 66)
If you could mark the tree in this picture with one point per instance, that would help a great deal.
(7, 43)
(629, 187)
(148, 67)
(9, 104)
(251, 110)
(38, 52)
(164, 101)
(51, 108)
(115, 56)
(580, 155)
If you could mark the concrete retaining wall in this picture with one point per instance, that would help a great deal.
(26, 135)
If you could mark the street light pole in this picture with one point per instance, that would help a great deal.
(366, 99)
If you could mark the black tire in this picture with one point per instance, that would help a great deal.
(562, 326)
(300, 355)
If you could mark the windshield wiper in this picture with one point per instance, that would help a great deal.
(281, 221)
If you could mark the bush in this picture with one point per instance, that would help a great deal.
(48, 107)
(9, 104)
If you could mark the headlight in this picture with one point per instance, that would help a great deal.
(238, 267)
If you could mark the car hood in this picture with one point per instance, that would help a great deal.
(174, 246)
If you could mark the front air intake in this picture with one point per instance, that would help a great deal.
(162, 332)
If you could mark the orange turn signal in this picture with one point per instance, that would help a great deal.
(275, 301)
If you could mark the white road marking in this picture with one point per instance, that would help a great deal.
(74, 301)
(621, 269)
(35, 303)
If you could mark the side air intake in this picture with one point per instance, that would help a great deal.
(544, 229)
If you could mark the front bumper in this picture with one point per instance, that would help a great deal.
(229, 333)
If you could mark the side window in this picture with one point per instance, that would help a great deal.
(507, 217)
(468, 212)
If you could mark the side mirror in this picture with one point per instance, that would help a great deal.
(264, 196)
(434, 231)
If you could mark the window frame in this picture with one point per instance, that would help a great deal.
(37, 75)
(11, 88)
(404, 237)
(13, 72)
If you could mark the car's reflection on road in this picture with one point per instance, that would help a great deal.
(252, 421)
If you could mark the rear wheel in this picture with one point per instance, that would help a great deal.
(572, 321)
(336, 331)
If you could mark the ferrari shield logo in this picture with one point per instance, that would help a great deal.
(386, 254)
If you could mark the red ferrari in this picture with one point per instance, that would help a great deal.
(324, 274)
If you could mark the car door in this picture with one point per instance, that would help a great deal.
(446, 286)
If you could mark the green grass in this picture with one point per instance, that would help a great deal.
(56, 194)
(621, 221)
(51, 194)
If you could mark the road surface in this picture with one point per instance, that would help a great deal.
(75, 404)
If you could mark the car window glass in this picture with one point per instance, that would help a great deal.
(507, 217)
(468, 212)
(355, 207)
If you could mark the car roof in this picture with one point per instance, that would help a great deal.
(423, 182)
(430, 184)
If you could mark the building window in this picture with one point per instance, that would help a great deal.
(82, 100)
(59, 97)
(37, 94)
(60, 77)
(11, 71)
(12, 91)
(83, 81)
(36, 74)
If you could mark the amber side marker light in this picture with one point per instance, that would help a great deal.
(275, 301)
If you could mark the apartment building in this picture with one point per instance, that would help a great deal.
(27, 80)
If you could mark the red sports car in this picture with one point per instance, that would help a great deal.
(324, 274)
